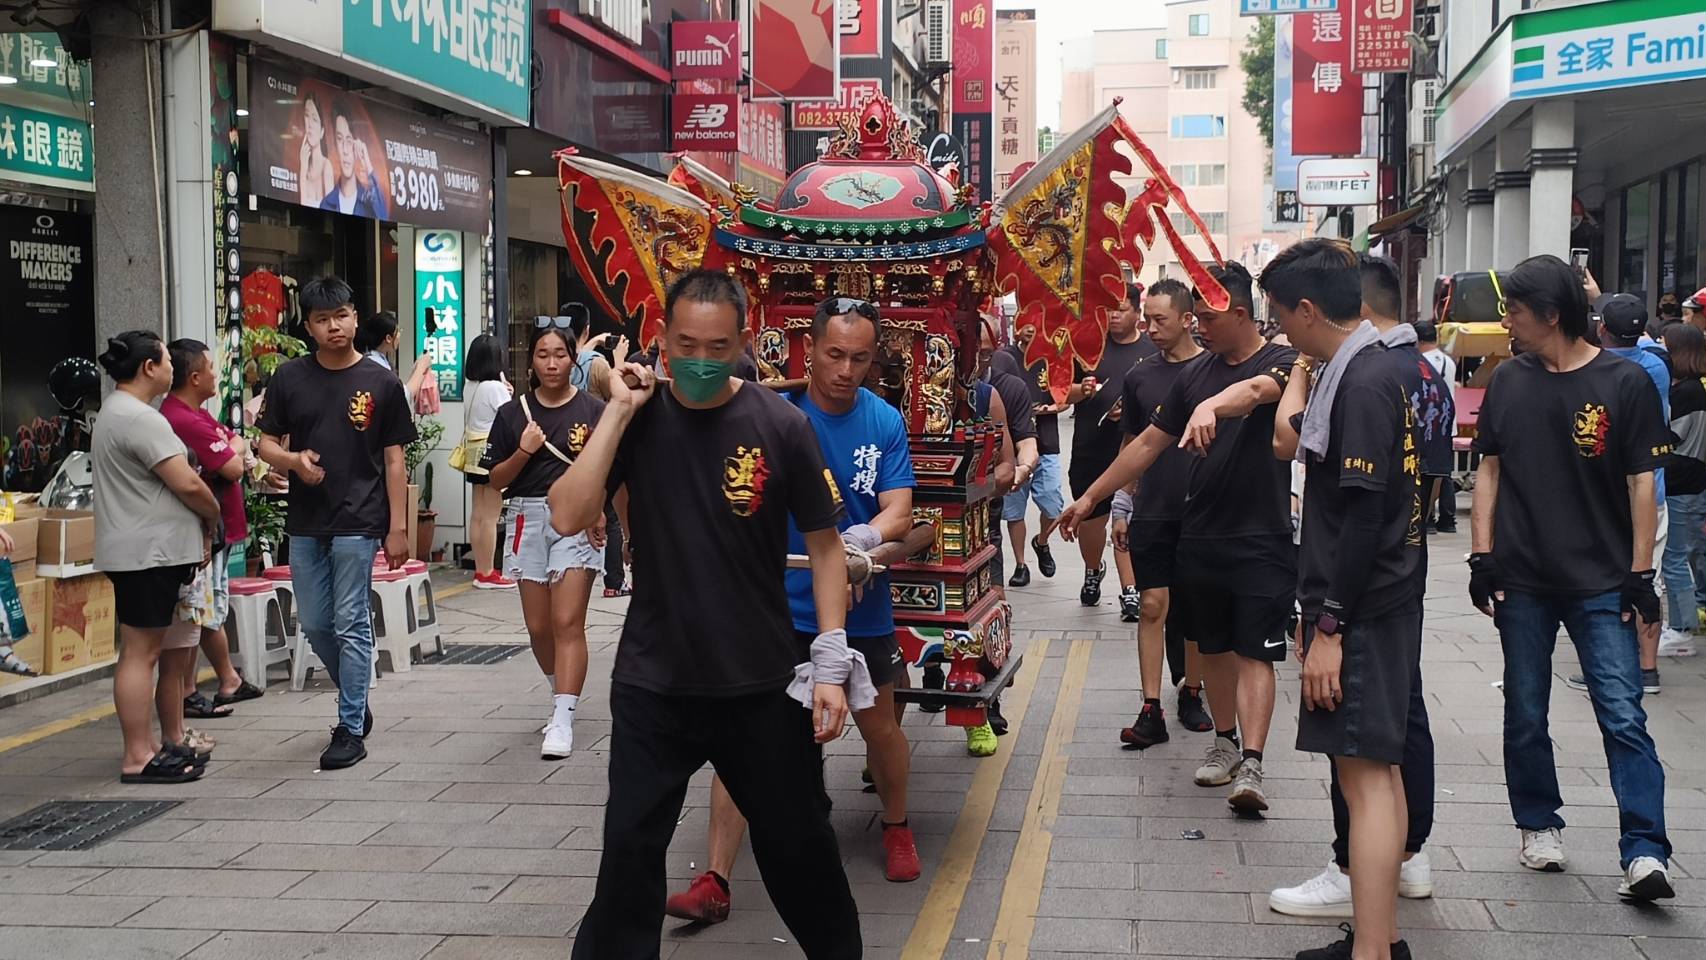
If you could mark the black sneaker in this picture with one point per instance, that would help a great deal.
(1021, 576)
(366, 722)
(346, 750)
(1092, 592)
(934, 679)
(1192, 716)
(1149, 729)
(997, 722)
(1338, 950)
(1045, 557)
(1131, 605)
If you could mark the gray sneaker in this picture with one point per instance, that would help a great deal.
(1221, 762)
(1649, 682)
(1247, 795)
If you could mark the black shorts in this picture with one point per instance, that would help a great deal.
(146, 599)
(882, 655)
(478, 479)
(1382, 659)
(1086, 467)
(1154, 552)
(1221, 621)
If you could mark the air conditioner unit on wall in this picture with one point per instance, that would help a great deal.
(939, 31)
(1423, 97)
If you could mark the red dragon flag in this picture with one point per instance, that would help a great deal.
(1066, 232)
(703, 182)
(629, 235)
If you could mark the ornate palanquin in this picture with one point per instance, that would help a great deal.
(871, 220)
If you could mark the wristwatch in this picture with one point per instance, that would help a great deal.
(1328, 624)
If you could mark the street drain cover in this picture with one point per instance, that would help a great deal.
(77, 824)
(476, 654)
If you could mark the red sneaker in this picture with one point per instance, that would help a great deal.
(704, 901)
(900, 853)
(493, 581)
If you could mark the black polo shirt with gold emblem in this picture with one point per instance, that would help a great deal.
(567, 427)
(1567, 444)
(709, 496)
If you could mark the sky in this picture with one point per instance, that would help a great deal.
(1060, 20)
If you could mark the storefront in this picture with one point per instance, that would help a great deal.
(366, 151)
(1570, 129)
(47, 264)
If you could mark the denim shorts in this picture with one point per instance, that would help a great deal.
(533, 551)
(1043, 487)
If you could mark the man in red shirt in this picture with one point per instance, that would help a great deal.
(222, 456)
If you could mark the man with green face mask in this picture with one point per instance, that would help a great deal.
(714, 468)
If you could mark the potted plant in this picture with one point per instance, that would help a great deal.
(266, 528)
(428, 431)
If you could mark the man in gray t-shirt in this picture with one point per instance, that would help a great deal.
(140, 524)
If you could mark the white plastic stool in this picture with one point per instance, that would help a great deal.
(395, 631)
(425, 605)
(256, 620)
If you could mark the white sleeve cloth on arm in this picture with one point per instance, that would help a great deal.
(835, 663)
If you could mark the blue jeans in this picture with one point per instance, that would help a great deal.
(333, 578)
(1684, 561)
(1043, 487)
(1528, 629)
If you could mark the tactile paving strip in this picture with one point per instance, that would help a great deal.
(475, 654)
(77, 824)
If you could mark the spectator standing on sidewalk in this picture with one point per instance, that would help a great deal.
(152, 517)
(1684, 554)
(483, 369)
(347, 421)
(1567, 429)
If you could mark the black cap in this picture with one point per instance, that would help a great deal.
(1624, 315)
(1427, 331)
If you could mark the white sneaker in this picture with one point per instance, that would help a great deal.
(1222, 761)
(1542, 850)
(1416, 878)
(1646, 879)
(1327, 894)
(559, 740)
(1247, 794)
(1676, 643)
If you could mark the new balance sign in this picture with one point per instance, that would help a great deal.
(707, 121)
(705, 50)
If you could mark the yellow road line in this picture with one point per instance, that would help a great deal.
(105, 710)
(935, 924)
(455, 589)
(1017, 918)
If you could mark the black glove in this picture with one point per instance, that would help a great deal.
(1640, 596)
(1484, 580)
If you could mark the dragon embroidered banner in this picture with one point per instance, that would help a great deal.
(629, 236)
(1063, 233)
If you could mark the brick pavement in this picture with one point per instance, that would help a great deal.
(453, 840)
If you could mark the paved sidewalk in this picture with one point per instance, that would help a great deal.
(453, 840)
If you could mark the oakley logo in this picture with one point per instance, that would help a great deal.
(707, 116)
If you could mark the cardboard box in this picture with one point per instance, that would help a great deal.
(32, 648)
(65, 538)
(24, 571)
(23, 533)
(82, 623)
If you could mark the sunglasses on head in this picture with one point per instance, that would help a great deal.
(842, 306)
(561, 323)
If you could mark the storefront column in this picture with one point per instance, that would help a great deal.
(1478, 201)
(1510, 199)
(1454, 241)
(1552, 181)
(130, 232)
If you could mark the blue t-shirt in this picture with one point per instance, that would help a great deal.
(1656, 369)
(866, 451)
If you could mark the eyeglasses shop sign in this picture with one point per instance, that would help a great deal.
(1337, 181)
(317, 146)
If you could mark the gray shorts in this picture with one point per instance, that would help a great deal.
(533, 551)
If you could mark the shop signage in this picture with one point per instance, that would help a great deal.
(1286, 207)
(856, 92)
(472, 56)
(973, 80)
(46, 148)
(1378, 28)
(630, 123)
(1326, 97)
(40, 65)
(705, 50)
(860, 24)
(438, 306)
(705, 121)
(1337, 181)
(795, 50)
(1284, 161)
(1564, 51)
(764, 140)
(943, 152)
(227, 289)
(47, 287)
(315, 145)
(1259, 8)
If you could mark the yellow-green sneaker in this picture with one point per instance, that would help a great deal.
(980, 741)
